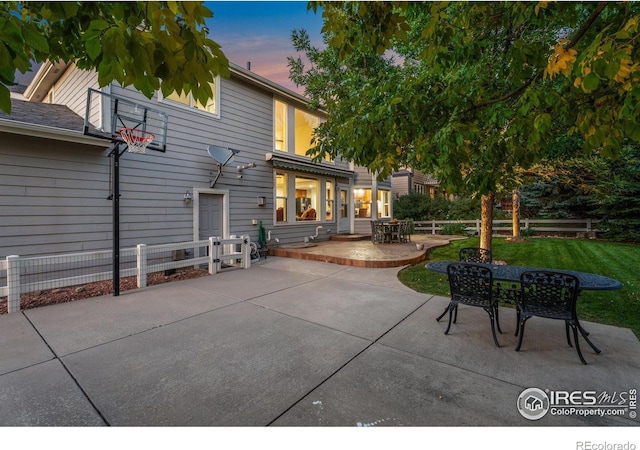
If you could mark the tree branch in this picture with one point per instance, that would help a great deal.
(579, 35)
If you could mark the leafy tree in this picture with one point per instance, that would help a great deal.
(150, 45)
(591, 186)
(476, 90)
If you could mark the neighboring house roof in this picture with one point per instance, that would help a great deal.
(50, 115)
(17, 88)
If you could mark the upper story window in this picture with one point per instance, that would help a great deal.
(293, 129)
(187, 100)
(304, 126)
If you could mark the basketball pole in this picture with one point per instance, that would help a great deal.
(115, 198)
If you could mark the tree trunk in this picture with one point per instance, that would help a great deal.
(486, 221)
(515, 215)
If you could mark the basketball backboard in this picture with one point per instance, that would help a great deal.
(107, 114)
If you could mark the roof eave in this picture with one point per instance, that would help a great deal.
(46, 76)
(52, 133)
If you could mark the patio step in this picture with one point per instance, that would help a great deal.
(349, 237)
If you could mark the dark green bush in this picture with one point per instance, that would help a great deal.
(456, 229)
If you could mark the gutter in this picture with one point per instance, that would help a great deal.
(268, 85)
(51, 133)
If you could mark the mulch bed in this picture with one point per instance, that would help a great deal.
(72, 293)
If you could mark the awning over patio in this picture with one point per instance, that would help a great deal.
(291, 163)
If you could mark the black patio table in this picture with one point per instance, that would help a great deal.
(587, 281)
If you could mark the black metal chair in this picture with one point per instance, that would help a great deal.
(471, 284)
(474, 254)
(405, 231)
(551, 295)
(377, 232)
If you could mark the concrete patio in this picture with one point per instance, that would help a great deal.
(291, 343)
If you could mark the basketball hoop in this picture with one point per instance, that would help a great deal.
(137, 140)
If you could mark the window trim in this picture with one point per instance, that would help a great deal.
(322, 198)
(290, 129)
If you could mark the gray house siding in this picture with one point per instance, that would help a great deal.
(57, 191)
(54, 196)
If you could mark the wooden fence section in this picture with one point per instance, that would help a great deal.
(541, 225)
(25, 275)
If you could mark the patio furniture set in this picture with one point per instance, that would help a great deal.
(475, 281)
(383, 232)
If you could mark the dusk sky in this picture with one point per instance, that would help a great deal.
(260, 32)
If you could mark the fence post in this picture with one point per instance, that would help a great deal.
(141, 265)
(246, 252)
(478, 227)
(433, 227)
(588, 225)
(214, 248)
(13, 283)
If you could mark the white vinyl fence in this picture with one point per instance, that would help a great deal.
(25, 275)
(540, 225)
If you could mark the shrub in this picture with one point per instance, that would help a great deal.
(527, 232)
(457, 229)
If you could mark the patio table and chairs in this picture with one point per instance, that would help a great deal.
(542, 292)
(383, 232)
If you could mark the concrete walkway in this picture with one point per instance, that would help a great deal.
(291, 343)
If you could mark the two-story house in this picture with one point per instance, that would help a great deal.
(56, 181)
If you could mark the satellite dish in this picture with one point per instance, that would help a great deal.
(221, 155)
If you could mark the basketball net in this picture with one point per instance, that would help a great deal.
(137, 140)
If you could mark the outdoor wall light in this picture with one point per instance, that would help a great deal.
(187, 197)
(262, 201)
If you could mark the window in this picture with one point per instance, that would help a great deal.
(302, 197)
(307, 198)
(344, 204)
(280, 132)
(305, 124)
(293, 129)
(384, 203)
(281, 197)
(362, 203)
(329, 200)
(187, 100)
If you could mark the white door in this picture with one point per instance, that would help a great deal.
(344, 206)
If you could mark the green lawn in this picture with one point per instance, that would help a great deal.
(615, 260)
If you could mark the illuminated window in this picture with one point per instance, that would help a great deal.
(307, 198)
(280, 132)
(384, 203)
(293, 129)
(281, 197)
(362, 203)
(305, 123)
(188, 100)
(329, 200)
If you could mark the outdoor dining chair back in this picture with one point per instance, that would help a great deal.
(377, 232)
(475, 254)
(471, 284)
(551, 295)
